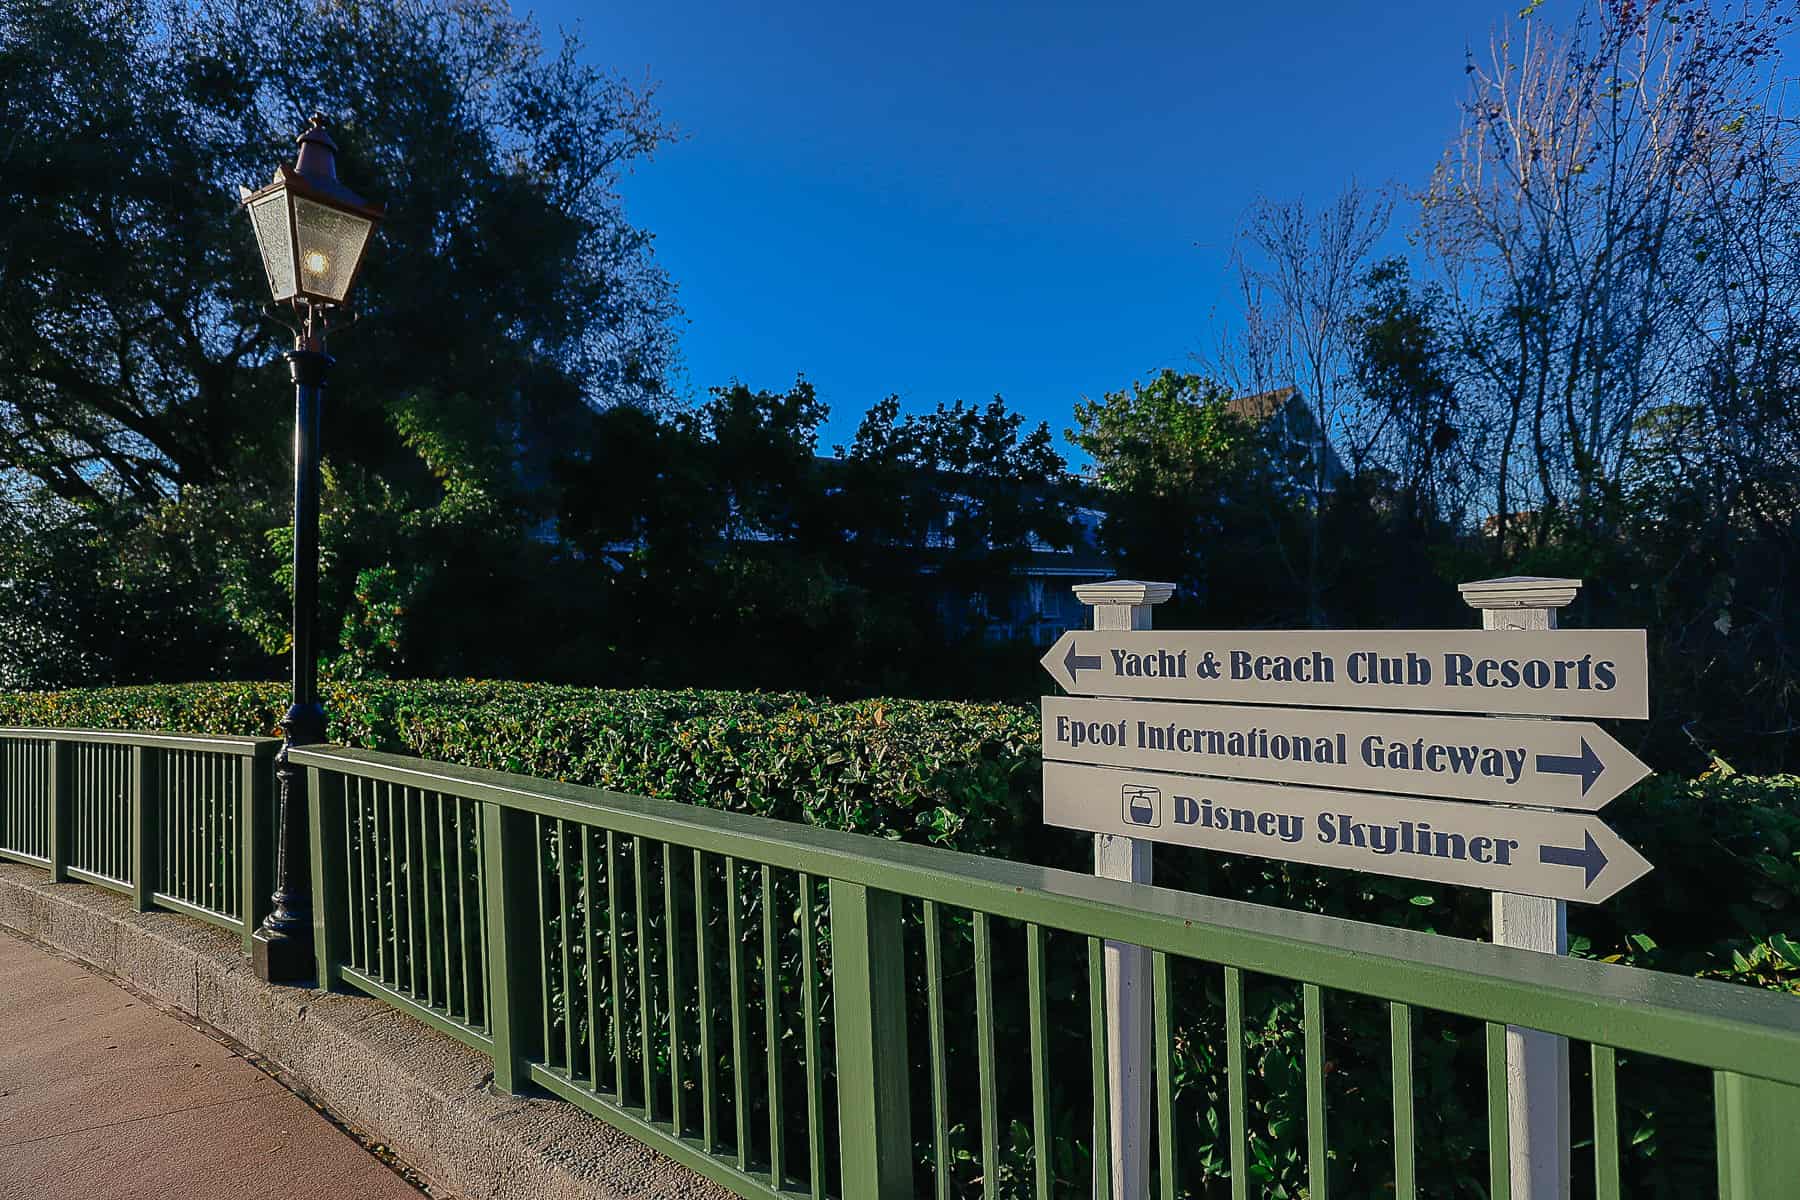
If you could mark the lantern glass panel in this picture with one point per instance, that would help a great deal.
(331, 244)
(275, 238)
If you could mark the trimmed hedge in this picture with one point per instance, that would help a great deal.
(952, 774)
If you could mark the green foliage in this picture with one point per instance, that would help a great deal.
(940, 772)
(734, 555)
(144, 414)
(1166, 437)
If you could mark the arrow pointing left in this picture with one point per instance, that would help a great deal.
(1080, 662)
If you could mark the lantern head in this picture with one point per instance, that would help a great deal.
(311, 229)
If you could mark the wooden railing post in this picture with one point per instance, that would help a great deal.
(869, 987)
(1537, 1063)
(330, 905)
(62, 778)
(255, 854)
(1756, 1124)
(1125, 604)
(145, 864)
(509, 859)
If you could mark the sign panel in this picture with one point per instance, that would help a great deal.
(1564, 856)
(1543, 673)
(1551, 764)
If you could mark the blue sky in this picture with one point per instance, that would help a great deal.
(953, 200)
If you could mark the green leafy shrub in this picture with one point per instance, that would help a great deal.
(946, 773)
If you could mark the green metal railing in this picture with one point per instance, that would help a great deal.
(798, 1012)
(176, 822)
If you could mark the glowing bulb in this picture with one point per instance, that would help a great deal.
(316, 262)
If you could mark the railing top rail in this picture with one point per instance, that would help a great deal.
(259, 747)
(1722, 1026)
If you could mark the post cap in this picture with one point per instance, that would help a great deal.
(1519, 591)
(1123, 591)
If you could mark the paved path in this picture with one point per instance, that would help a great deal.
(104, 1096)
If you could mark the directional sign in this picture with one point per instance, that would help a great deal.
(1551, 764)
(1544, 673)
(1565, 856)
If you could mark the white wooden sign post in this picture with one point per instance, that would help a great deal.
(1537, 1064)
(1421, 754)
(1125, 605)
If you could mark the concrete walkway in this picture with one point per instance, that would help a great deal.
(103, 1096)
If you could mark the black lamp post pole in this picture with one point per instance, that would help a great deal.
(284, 941)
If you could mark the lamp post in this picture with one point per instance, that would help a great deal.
(312, 232)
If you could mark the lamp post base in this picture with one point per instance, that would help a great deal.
(281, 949)
(280, 956)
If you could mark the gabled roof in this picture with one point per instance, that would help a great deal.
(1259, 407)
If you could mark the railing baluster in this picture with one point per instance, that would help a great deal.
(214, 900)
(590, 946)
(543, 937)
(462, 913)
(640, 935)
(1499, 1133)
(1235, 1083)
(81, 802)
(1312, 1003)
(353, 883)
(815, 1069)
(1606, 1123)
(184, 830)
(445, 860)
(984, 1054)
(168, 865)
(703, 978)
(143, 828)
(934, 1011)
(740, 1085)
(1161, 1001)
(1102, 1125)
(1036, 945)
(772, 1027)
(233, 827)
(366, 961)
(412, 896)
(568, 980)
(61, 781)
(489, 964)
(614, 996)
(1401, 1038)
(672, 961)
(423, 883)
(381, 906)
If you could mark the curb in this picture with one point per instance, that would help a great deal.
(389, 1078)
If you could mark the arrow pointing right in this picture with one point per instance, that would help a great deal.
(1586, 765)
(1590, 858)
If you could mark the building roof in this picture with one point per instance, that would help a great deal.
(1260, 406)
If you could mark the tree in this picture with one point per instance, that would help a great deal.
(966, 489)
(1300, 272)
(1559, 221)
(1180, 469)
(1409, 428)
(136, 375)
